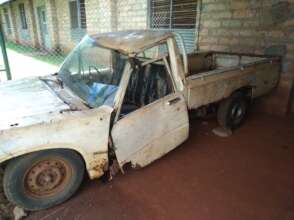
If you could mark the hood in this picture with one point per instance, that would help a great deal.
(25, 98)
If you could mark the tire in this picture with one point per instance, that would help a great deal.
(43, 179)
(233, 111)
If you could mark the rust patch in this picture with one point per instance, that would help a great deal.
(98, 168)
(114, 169)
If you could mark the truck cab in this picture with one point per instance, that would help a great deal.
(119, 98)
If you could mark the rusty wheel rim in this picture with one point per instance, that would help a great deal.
(47, 177)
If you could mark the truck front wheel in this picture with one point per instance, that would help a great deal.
(232, 111)
(43, 179)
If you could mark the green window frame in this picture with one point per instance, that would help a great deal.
(7, 20)
(22, 14)
(78, 17)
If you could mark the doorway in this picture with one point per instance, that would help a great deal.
(43, 26)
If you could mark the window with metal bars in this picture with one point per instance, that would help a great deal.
(77, 14)
(23, 18)
(173, 14)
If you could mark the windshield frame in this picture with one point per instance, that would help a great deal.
(67, 82)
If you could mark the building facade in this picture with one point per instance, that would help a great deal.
(60, 24)
(260, 27)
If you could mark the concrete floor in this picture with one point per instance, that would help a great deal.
(22, 66)
(246, 176)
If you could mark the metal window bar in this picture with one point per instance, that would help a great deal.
(50, 37)
(179, 16)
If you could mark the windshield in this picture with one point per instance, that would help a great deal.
(93, 73)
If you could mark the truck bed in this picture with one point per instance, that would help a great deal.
(214, 76)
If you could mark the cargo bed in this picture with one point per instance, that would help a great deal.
(213, 76)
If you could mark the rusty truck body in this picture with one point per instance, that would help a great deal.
(119, 98)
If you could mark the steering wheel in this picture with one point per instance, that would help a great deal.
(95, 68)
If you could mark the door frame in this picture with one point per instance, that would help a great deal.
(125, 82)
(44, 42)
(167, 100)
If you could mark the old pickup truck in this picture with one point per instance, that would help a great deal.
(119, 98)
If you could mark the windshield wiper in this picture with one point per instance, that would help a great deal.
(57, 81)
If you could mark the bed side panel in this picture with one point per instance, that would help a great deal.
(266, 78)
(211, 87)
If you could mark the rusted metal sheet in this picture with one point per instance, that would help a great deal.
(34, 118)
(36, 115)
(229, 73)
(24, 98)
(131, 42)
(152, 131)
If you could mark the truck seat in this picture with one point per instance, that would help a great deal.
(146, 85)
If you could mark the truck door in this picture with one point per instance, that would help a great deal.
(153, 118)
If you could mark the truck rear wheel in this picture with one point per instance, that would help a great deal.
(43, 179)
(232, 111)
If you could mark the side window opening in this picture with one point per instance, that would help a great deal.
(147, 84)
(154, 52)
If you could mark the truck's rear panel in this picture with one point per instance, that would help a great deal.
(218, 75)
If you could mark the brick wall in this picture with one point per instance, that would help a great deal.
(113, 15)
(12, 16)
(28, 36)
(248, 26)
(132, 14)
(62, 12)
(53, 24)
(31, 36)
(99, 16)
(9, 35)
(102, 16)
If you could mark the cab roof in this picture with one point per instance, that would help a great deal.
(131, 42)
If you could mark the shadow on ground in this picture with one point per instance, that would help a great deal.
(246, 176)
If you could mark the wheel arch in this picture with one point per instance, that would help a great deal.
(13, 156)
(245, 90)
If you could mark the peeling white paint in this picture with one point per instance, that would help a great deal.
(34, 118)
(152, 131)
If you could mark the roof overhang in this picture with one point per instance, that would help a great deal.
(4, 1)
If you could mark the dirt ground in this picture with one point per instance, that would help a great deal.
(246, 176)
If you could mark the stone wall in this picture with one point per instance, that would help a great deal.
(259, 27)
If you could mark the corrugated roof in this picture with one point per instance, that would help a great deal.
(4, 1)
(131, 41)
